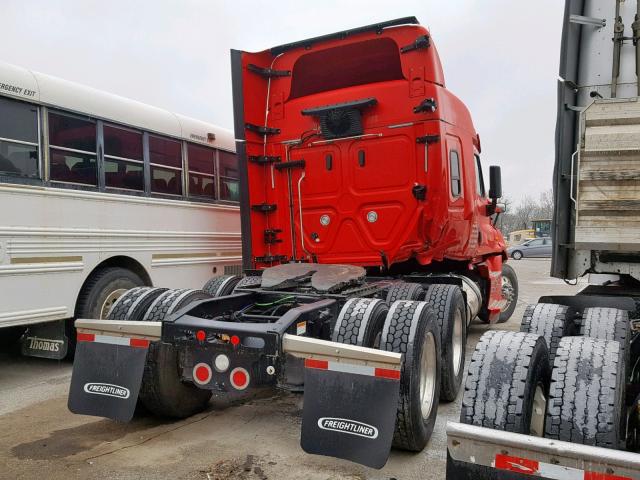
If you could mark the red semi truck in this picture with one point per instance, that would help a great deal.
(369, 244)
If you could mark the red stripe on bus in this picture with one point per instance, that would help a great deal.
(139, 342)
(388, 373)
(517, 464)
(86, 337)
(321, 364)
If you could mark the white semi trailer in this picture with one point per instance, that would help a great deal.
(561, 398)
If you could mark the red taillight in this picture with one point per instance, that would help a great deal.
(202, 373)
(201, 335)
(239, 378)
(235, 340)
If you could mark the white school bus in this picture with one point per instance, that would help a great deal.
(99, 193)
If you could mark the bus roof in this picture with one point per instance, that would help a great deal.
(24, 84)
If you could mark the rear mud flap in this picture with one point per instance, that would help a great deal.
(106, 377)
(47, 340)
(349, 415)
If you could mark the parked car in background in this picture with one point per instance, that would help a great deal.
(538, 247)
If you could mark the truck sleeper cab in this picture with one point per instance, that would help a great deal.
(368, 248)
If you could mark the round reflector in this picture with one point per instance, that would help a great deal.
(235, 340)
(201, 335)
(221, 363)
(239, 378)
(201, 373)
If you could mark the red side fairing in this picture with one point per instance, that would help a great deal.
(353, 201)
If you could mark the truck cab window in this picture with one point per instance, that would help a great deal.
(454, 169)
(19, 146)
(479, 178)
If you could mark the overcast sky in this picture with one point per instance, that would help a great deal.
(499, 56)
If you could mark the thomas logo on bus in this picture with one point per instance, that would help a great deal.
(107, 389)
(352, 427)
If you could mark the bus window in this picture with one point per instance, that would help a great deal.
(202, 178)
(18, 139)
(165, 156)
(72, 150)
(123, 164)
(228, 171)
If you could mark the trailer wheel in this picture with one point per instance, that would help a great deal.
(360, 322)
(162, 392)
(411, 328)
(405, 291)
(608, 324)
(133, 304)
(509, 292)
(551, 321)
(507, 382)
(449, 306)
(221, 285)
(587, 393)
(250, 281)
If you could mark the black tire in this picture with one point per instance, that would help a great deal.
(509, 274)
(134, 303)
(94, 297)
(222, 285)
(162, 392)
(551, 321)
(505, 371)
(360, 322)
(405, 291)
(585, 403)
(450, 309)
(608, 324)
(250, 281)
(410, 327)
(517, 255)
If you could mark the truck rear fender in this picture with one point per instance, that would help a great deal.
(350, 399)
(108, 366)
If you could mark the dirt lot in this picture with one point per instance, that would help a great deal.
(259, 440)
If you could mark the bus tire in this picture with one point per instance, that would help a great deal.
(587, 393)
(222, 285)
(360, 322)
(608, 324)
(551, 321)
(162, 392)
(250, 281)
(507, 382)
(404, 291)
(99, 293)
(509, 291)
(449, 306)
(411, 328)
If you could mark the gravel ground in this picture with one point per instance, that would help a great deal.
(40, 438)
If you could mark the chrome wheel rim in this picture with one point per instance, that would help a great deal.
(457, 343)
(428, 366)
(508, 292)
(536, 425)
(109, 301)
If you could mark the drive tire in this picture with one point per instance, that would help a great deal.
(133, 304)
(222, 285)
(517, 255)
(551, 321)
(506, 373)
(608, 324)
(162, 392)
(411, 328)
(509, 275)
(250, 281)
(449, 306)
(360, 322)
(587, 393)
(404, 291)
(98, 295)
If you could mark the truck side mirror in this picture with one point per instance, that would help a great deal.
(495, 182)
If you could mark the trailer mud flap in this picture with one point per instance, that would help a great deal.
(107, 373)
(349, 411)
